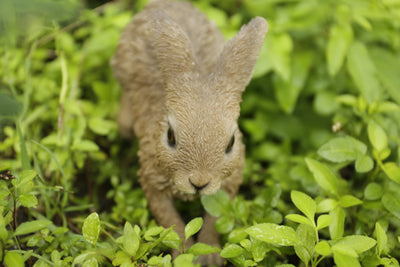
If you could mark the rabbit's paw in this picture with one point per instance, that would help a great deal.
(211, 259)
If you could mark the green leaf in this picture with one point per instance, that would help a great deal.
(224, 224)
(392, 171)
(172, 240)
(377, 136)
(85, 146)
(364, 163)
(91, 228)
(323, 175)
(392, 204)
(381, 239)
(323, 221)
(326, 205)
(323, 248)
(130, 240)
(13, 259)
(359, 243)
(341, 149)
(184, 260)
(362, 71)
(343, 259)
(349, 201)
(217, 204)
(231, 251)
(101, 126)
(373, 191)
(237, 235)
(305, 204)
(274, 234)
(299, 219)
(387, 66)
(193, 227)
(340, 38)
(28, 200)
(202, 249)
(280, 47)
(308, 237)
(336, 228)
(31, 227)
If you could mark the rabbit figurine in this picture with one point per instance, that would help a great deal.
(182, 85)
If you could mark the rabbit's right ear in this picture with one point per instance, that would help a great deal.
(173, 48)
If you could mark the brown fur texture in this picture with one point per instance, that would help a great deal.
(182, 86)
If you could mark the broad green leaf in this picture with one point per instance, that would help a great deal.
(85, 145)
(304, 203)
(279, 54)
(153, 231)
(373, 191)
(202, 249)
(349, 201)
(101, 126)
(172, 240)
(92, 262)
(274, 234)
(323, 248)
(308, 237)
(237, 235)
(392, 204)
(217, 204)
(224, 224)
(13, 259)
(364, 163)
(326, 205)
(362, 71)
(299, 219)
(387, 66)
(344, 260)
(344, 250)
(31, 227)
(28, 200)
(184, 260)
(193, 227)
(359, 243)
(323, 175)
(91, 228)
(341, 149)
(336, 228)
(25, 177)
(377, 136)
(323, 221)
(259, 250)
(392, 171)
(340, 38)
(381, 239)
(231, 251)
(130, 240)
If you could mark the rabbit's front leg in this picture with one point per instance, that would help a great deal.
(163, 209)
(210, 236)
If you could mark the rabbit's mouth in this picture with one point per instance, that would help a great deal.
(197, 186)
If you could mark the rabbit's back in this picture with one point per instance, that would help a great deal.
(135, 62)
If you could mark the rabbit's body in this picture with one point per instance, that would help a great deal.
(181, 95)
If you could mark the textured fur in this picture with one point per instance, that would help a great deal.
(178, 73)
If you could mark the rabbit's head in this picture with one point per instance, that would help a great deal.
(200, 143)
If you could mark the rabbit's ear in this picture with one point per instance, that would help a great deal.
(173, 48)
(236, 63)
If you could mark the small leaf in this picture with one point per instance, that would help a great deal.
(304, 203)
(341, 149)
(340, 38)
(193, 227)
(323, 175)
(224, 224)
(31, 227)
(344, 260)
(392, 204)
(231, 251)
(324, 221)
(381, 239)
(373, 191)
(299, 219)
(326, 205)
(392, 171)
(28, 200)
(184, 260)
(364, 163)
(359, 243)
(172, 240)
(130, 240)
(349, 201)
(237, 235)
(217, 204)
(85, 146)
(323, 248)
(274, 234)
(308, 237)
(336, 228)
(13, 259)
(377, 136)
(202, 249)
(91, 228)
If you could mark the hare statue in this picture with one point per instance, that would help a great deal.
(182, 85)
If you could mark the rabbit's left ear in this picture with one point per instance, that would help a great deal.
(236, 63)
(173, 48)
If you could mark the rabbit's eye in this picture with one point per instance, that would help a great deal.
(230, 145)
(171, 137)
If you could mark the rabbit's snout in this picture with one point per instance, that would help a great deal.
(197, 183)
(198, 186)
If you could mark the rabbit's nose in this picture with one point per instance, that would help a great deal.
(197, 186)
